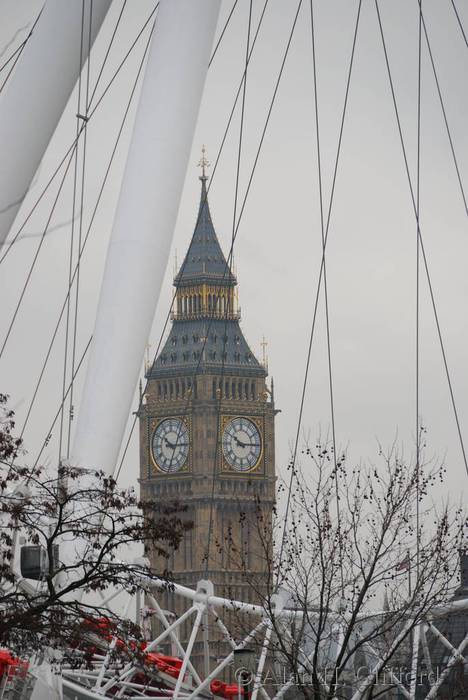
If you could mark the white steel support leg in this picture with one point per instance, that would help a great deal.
(105, 663)
(231, 641)
(174, 637)
(225, 662)
(144, 224)
(36, 95)
(394, 678)
(170, 629)
(261, 661)
(307, 661)
(130, 669)
(359, 694)
(443, 640)
(457, 654)
(188, 651)
(427, 655)
(206, 644)
(414, 661)
(227, 635)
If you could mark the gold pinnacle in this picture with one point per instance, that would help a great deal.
(147, 356)
(203, 162)
(264, 345)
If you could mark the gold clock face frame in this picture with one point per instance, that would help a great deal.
(242, 444)
(170, 445)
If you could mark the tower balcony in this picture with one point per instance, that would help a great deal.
(217, 315)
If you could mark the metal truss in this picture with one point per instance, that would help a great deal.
(151, 675)
(186, 682)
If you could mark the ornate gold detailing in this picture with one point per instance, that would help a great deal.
(216, 301)
(264, 345)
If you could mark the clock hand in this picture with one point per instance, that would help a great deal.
(172, 446)
(246, 444)
(241, 444)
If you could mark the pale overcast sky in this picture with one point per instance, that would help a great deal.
(371, 258)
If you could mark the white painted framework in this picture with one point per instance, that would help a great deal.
(106, 680)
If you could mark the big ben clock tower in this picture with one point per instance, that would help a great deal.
(207, 425)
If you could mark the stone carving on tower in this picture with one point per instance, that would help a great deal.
(207, 424)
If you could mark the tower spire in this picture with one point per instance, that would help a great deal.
(204, 262)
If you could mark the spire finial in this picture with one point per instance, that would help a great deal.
(203, 163)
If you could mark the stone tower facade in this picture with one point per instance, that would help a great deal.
(207, 436)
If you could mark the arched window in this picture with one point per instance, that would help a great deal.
(252, 390)
(214, 389)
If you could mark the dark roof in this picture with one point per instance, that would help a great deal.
(205, 261)
(185, 350)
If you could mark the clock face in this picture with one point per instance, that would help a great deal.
(242, 444)
(170, 445)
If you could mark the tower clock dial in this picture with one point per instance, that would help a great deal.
(170, 445)
(242, 444)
